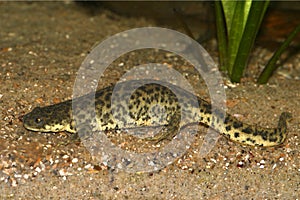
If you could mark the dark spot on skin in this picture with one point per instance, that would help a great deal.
(150, 91)
(110, 121)
(228, 135)
(132, 97)
(280, 138)
(152, 98)
(143, 88)
(227, 120)
(250, 140)
(107, 97)
(207, 108)
(228, 128)
(106, 116)
(247, 130)
(262, 133)
(100, 102)
(237, 124)
(213, 118)
(157, 88)
(236, 134)
(137, 102)
(255, 133)
(148, 101)
(208, 119)
(131, 115)
(273, 139)
(138, 93)
(146, 118)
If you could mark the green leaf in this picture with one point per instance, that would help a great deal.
(271, 66)
(228, 8)
(221, 34)
(255, 17)
(236, 15)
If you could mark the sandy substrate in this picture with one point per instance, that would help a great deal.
(42, 46)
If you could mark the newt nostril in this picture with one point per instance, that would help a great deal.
(20, 118)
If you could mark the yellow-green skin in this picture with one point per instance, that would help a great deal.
(151, 105)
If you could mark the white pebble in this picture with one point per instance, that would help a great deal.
(87, 166)
(38, 169)
(25, 176)
(281, 159)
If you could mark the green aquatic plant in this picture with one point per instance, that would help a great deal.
(238, 23)
(271, 66)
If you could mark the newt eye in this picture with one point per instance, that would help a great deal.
(39, 121)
